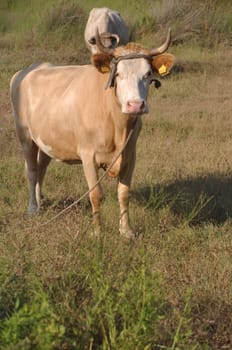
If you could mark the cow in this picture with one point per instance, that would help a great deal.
(84, 114)
(106, 21)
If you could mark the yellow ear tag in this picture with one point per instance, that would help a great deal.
(162, 69)
(104, 69)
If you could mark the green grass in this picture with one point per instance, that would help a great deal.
(88, 296)
(62, 289)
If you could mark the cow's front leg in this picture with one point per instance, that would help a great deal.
(123, 199)
(125, 177)
(95, 199)
(95, 195)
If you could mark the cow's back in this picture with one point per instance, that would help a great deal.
(51, 84)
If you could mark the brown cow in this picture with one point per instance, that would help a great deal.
(84, 114)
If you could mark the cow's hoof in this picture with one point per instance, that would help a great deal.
(96, 232)
(33, 210)
(127, 233)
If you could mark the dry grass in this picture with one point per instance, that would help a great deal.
(181, 204)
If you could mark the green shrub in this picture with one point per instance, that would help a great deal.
(125, 316)
(31, 325)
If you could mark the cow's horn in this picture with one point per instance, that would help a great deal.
(100, 45)
(163, 47)
(107, 35)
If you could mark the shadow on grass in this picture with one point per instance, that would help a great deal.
(206, 199)
(200, 200)
(65, 203)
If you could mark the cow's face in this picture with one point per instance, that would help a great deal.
(132, 79)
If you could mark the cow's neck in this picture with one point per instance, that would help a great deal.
(125, 133)
(123, 123)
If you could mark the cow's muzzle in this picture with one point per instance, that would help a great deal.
(135, 107)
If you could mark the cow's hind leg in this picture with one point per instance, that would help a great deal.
(30, 151)
(42, 162)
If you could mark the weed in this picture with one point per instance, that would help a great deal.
(127, 313)
(30, 325)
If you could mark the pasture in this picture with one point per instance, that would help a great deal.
(171, 288)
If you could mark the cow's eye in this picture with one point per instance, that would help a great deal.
(147, 75)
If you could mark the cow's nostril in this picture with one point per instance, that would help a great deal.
(134, 106)
(142, 105)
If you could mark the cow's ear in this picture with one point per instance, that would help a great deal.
(162, 64)
(102, 62)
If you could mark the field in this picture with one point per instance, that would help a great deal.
(171, 288)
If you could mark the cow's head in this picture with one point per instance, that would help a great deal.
(131, 69)
(109, 40)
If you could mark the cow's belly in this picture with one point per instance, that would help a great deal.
(58, 148)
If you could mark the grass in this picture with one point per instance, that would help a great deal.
(171, 288)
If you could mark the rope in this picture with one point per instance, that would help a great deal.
(99, 180)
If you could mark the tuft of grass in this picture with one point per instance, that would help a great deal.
(32, 324)
(64, 20)
(208, 24)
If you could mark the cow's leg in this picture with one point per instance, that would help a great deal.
(91, 174)
(30, 151)
(43, 160)
(125, 177)
(123, 198)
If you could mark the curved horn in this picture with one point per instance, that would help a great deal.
(100, 45)
(107, 35)
(163, 47)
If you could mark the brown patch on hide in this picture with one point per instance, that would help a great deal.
(130, 48)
